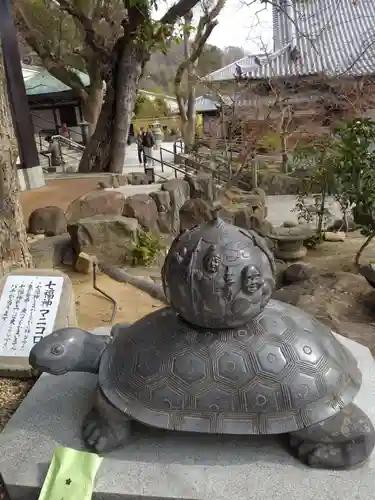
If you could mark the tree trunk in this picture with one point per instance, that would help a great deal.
(254, 174)
(129, 71)
(14, 252)
(92, 101)
(190, 125)
(284, 154)
(97, 154)
(358, 255)
(106, 149)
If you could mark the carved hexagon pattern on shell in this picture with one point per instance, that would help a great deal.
(281, 372)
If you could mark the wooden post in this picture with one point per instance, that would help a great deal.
(22, 122)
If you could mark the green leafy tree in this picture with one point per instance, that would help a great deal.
(59, 40)
(120, 60)
(317, 183)
(161, 107)
(354, 168)
(146, 107)
(341, 165)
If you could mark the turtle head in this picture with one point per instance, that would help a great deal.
(68, 349)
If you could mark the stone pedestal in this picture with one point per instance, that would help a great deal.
(290, 250)
(31, 178)
(166, 465)
(290, 241)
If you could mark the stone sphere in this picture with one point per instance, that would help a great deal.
(217, 275)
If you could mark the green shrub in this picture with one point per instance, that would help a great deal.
(146, 250)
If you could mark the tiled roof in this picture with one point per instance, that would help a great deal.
(44, 83)
(333, 37)
(205, 103)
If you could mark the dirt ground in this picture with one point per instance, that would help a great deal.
(339, 256)
(93, 309)
(57, 192)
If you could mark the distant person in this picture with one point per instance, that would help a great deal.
(65, 130)
(148, 142)
(140, 145)
(54, 151)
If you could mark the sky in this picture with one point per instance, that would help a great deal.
(247, 26)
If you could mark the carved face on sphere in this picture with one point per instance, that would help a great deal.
(252, 280)
(217, 275)
(211, 261)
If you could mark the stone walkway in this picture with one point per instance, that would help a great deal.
(131, 163)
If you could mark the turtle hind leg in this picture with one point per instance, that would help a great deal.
(342, 441)
(105, 427)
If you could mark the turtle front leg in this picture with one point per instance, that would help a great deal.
(340, 442)
(105, 427)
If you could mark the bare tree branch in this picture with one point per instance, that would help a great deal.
(54, 65)
(193, 50)
(178, 10)
(92, 38)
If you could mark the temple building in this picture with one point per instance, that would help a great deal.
(321, 68)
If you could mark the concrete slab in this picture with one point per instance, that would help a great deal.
(167, 465)
(33, 303)
(31, 178)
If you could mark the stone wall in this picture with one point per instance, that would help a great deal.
(106, 225)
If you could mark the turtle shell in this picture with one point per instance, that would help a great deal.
(282, 371)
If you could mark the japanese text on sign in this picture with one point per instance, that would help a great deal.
(28, 308)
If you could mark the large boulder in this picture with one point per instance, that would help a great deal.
(253, 218)
(143, 208)
(194, 211)
(339, 225)
(202, 186)
(50, 221)
(297, 272)
(51, 252)
(111, 238)
(163, 205)
(261, 195)
(113, 181)
(162, 200)
(273, 183)
(179, 191)
(226, 215)
(95, 203)
(139, 178)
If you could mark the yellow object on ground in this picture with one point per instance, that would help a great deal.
(71, 475)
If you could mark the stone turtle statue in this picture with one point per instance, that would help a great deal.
(224, 359)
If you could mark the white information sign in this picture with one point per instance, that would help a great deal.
(28, 308)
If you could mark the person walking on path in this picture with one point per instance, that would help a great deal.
(140, 145)
(148, 142)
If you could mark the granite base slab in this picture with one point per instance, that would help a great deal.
(167, 465)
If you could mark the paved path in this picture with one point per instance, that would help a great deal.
(131, 163)
(280, 208)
